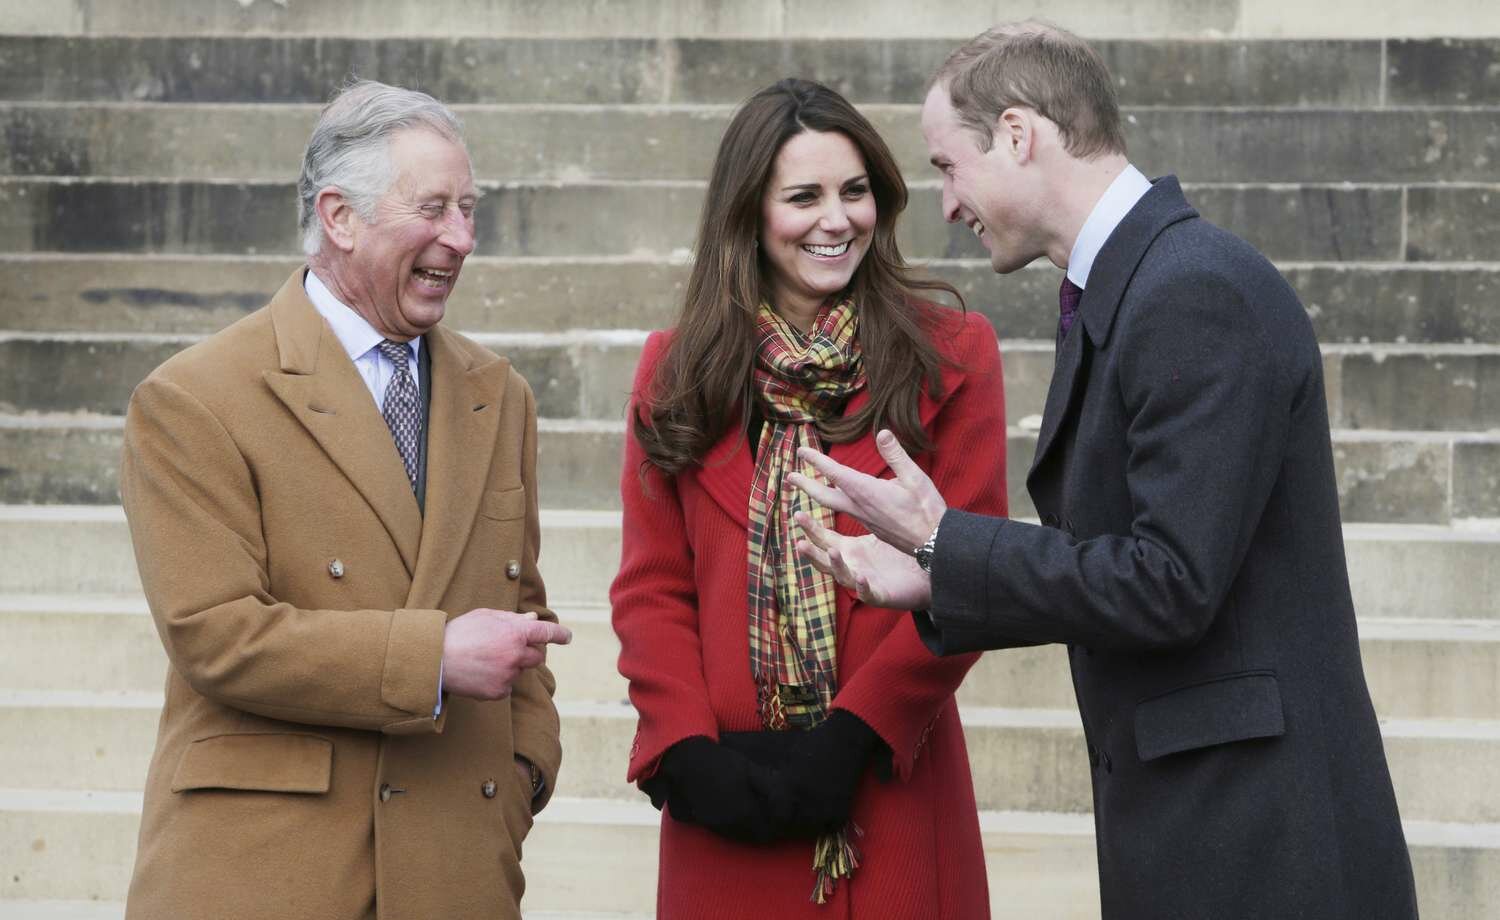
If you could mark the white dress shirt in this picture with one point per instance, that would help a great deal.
(1128, 188)
(360, 339)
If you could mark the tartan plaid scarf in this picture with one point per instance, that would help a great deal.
(799, 378)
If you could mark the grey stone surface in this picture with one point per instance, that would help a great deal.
(1308, 223)
(1420, 391)
(1443, 71)
(1322, 145)
(1476, 479)
(265, 142)
(398, 18)
(619, 69)
(53, 375)
(1391, 479)
(1452, 223)
(1312, 223)
(85, 216)
(1394, 481)
(1348, 302)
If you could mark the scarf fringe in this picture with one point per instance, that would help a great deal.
(835, 857)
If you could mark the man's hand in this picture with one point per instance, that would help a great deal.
(903, 511)
(484, 650)
(878, 572)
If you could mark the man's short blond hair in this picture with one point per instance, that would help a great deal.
(1037, 65)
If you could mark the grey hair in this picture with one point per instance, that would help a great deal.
(349, 148)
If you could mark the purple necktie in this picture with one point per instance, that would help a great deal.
(402, 411)
(1067, 302)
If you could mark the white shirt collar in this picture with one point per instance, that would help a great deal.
(1128, 188)
(353, 331)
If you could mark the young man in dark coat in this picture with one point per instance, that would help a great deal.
(1190, 553)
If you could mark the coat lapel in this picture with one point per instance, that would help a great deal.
(466, 399)
(320, 386)
(1113, 268)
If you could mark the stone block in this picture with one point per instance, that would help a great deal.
(1446, 71)
(58, 375)
(1307, 223)
(1476, 479)
(60, 464)
(1420, 390)
(1291, 145)
(107, 216)
(1400, 303)
(1230, 72)
(1399, 481)
(1452, 223)
(398, 19)
(1356, 19)
(625, 68)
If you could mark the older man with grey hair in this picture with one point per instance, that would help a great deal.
(333, 504)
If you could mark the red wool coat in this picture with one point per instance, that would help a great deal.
(679, 607)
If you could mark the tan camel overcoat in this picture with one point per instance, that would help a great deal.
(301, 595)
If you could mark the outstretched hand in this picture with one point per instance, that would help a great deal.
(902, 512)
(877, 572)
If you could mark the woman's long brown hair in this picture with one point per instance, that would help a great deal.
(705, 374)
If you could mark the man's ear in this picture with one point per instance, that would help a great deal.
(337, 217)
(1015, 133)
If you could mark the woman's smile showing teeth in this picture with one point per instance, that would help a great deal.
(827, 251)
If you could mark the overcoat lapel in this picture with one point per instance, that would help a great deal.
(1113, 268)
(466, 400)
(320, 386)
(727, 468)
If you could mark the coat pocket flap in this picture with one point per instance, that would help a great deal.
(504, 504)
(1236, 707)
(272, 762)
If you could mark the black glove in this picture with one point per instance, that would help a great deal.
(705, 783)
(820, 769)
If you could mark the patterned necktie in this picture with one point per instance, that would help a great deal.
(403, 415)
(1067, 303)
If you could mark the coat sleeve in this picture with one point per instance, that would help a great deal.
(903, 687)
(535, 725)
(194, 514)
(654, 603)
(1206, 406)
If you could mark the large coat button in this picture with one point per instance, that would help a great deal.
(336, 568)
(488, 789)
(513, 570)
(385, 792)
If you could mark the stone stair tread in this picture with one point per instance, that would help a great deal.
(573, 810)
(115, 910)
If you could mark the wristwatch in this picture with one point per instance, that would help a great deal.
(924, 552)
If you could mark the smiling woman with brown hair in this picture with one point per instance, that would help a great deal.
(810, 763)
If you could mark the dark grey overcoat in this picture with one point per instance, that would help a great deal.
(1191, 558)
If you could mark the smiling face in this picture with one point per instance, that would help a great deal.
(986, 190)
(400, 267)
(817, 219)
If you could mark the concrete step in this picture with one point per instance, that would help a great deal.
(1400, 477)
(1417, 669)
(1022, 759)
(585, 374)
(617, 69)
(1396, 570)
(82, 845)
(115, 910)
(796, 18)
(656, 214)
(264, 142)
(1412, 303)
